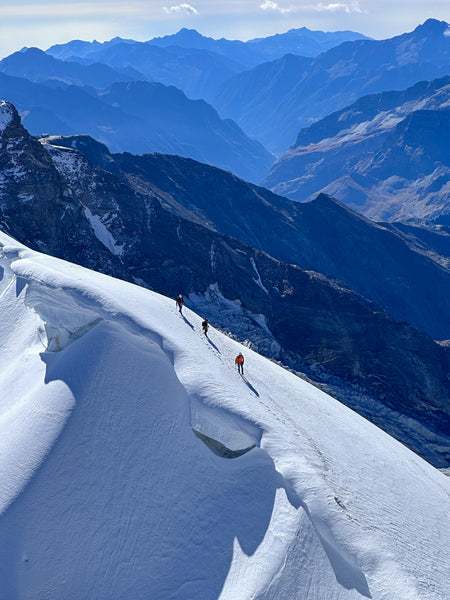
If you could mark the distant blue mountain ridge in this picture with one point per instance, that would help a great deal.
(386, 156)
(302, 41)
(270, 103)
(273, 101)
(197, 64)
(37, 66)
(133, 116)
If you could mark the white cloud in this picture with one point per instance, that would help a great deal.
(348, 7)
(186, 9)
(270, 5)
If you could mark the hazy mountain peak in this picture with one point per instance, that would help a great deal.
(187, 38)
(31, 50)
(26, 54)
(187, 33)
(433, 26)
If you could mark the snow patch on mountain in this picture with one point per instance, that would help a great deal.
(113, 461)
(102, 233)
(6, 115)
(258, 279)
(70, 163)
(212, 256)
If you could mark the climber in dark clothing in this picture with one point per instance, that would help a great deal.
(180, 303)
(205, 327)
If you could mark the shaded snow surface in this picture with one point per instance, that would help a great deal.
(106, 493)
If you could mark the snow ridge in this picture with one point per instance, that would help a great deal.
(113, 461)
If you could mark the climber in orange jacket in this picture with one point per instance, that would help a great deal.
(239, 361)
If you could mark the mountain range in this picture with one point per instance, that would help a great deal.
(134, 116)
(196, 64)
(302, 41)
(127, 216)
(385, 156)
(310, 90)
(198, 73)
(394, 269)
(35, 65)
(270, 102)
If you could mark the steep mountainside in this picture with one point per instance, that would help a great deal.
(189, 128)
(138, 117)
(323, 235)
(432, 241)
(386, 156)
(332, 80)
(255, 96)
(96, 218)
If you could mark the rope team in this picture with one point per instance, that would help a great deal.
(239, 360)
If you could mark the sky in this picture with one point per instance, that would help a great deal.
(43, 23)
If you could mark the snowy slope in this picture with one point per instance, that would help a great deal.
(107, 493)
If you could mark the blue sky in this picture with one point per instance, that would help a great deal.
(43, 23)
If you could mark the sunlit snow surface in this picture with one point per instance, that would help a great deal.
(106, 493)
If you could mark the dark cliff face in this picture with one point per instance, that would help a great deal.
(322, 235)
(416, 147)
(94, 216)
(37, 205)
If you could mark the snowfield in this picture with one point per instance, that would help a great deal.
(135, 463)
